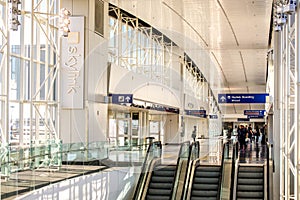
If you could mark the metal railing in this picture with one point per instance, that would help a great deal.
(53, 153)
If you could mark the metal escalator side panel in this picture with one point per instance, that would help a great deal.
(195, 163)
(235, 175)
(179, 186)
(270, 189)
(181, 170)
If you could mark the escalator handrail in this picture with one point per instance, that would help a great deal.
(221, 169)
(176, 177)
(233, 164)
(140, 184)
(195, 144)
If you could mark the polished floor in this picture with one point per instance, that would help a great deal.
(254, 153)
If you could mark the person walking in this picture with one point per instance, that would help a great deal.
(194, 133)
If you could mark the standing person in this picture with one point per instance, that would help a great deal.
(194, 133)
(257, 134)
(250, 133)
(242, 137)
(263, 134)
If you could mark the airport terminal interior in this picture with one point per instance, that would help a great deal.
(150, 99)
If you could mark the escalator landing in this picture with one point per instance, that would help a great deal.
(254, 153)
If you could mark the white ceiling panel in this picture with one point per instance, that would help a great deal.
(235, 34)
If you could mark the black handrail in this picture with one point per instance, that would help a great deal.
(235, 150)
(140, 186)
(180, 153)
(195, 145)
(226, 144)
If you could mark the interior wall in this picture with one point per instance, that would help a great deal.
(171, 129)
(90, 123)
(127, 82)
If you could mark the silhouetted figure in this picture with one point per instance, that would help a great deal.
(263, 134)
(250, 133)
(257, 134)
(242, 137)
(194, 133)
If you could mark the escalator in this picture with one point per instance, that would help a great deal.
(161, 182)
(206, 179)
(250, 182)
(206, 182)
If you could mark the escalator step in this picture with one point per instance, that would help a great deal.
(161, 185)
(165, 168)
(203, 198)
(249, 198)
(207, 174)
(205, 193)
(252, 181)
(163, 173)
(251, 175)
(208, 168)
(251, 169)
(159, 179)
(163, 192)
(206, 180)
(250, 188)
(250, 195)
(205, 186)
(154, 197)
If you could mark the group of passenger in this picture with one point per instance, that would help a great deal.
(246, 135)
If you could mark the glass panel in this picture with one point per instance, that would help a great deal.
(135, 127)
(15, 78)
(123, 127)
(14, 123)
(112, 128)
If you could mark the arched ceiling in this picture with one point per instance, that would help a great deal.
(234, 33)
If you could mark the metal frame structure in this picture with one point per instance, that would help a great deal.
(29, 94)
(138, 48)
(141, 48)
(289, 107)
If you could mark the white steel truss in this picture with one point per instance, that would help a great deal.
(29, 76)
(289, 106)
(139, 48)
(144, 50)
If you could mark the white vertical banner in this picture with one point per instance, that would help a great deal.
(72, 65)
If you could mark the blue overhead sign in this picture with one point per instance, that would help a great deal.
(121, 98)
(255, 116)
(254, 112)
(242, 98)
(196, 113)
